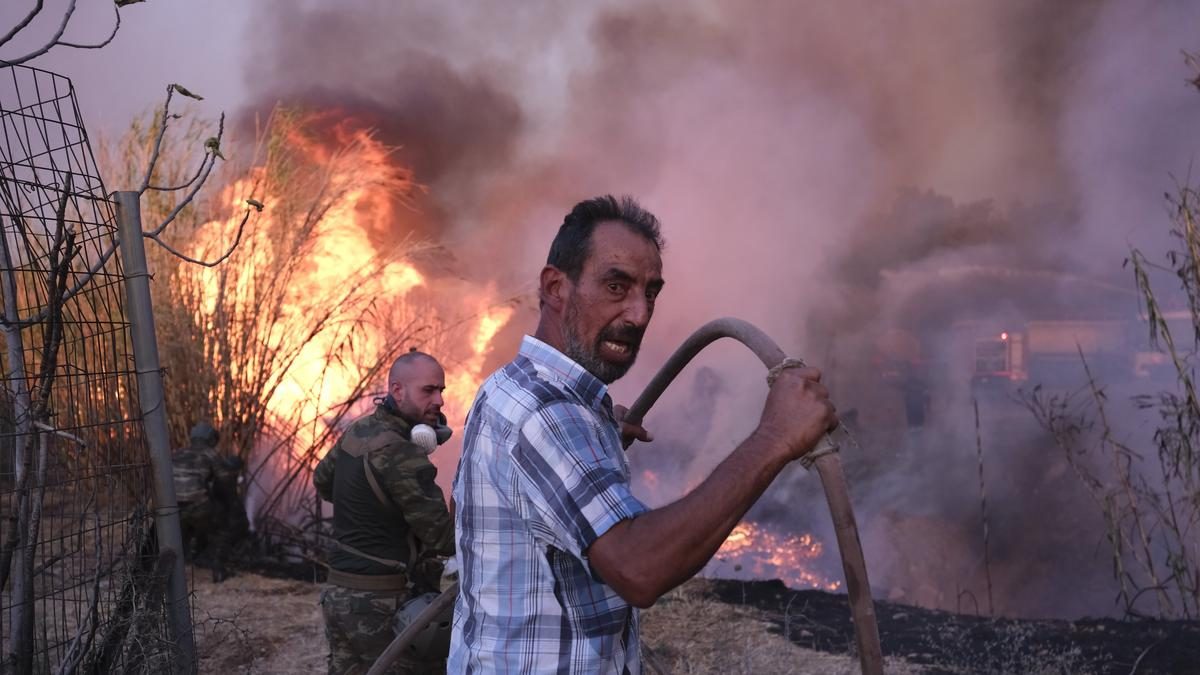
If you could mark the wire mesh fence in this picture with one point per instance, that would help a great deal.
(82, 582)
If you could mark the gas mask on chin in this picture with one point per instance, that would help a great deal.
(429, 437)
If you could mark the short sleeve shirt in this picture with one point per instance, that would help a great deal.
(542, 476)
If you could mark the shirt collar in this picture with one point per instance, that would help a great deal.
(556, 366)
(386, 412)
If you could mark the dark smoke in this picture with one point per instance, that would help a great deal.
(855, 178)
(453, 126)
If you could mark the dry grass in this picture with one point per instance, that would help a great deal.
(252, 624)
(688, 632)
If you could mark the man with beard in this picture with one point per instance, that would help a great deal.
(390, 519)
(555, 551)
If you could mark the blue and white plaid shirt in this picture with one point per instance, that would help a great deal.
(542, 476)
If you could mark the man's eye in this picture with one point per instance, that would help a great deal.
(616, 288)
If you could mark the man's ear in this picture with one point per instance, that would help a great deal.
(553, 288)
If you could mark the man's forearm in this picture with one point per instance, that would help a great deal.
(645, 557)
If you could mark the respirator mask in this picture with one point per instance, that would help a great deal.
(428, 438)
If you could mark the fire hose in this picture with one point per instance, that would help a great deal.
(824, 457)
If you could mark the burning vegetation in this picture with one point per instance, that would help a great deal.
(285, 341)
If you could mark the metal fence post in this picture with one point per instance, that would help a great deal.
(154, 420)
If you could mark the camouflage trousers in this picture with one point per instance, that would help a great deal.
(209, 534)
(204, 535)
(359, 627)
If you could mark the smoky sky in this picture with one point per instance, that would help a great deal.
(788, 133)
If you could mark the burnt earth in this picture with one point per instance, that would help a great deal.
(954, 643)
(249, 558)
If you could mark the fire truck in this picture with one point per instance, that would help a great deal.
(1051, 352)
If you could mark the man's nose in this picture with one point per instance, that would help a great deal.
(438, 400)
(638, 312)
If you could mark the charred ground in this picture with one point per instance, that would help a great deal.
(943, 642)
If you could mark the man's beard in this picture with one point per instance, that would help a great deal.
(588, 356)
(409, 412)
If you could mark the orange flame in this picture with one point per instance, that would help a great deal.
(463, 380)
(753, 551)
(310, 321)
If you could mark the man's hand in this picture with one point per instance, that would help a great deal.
(641, 558)
(798, 411)
(426, 574)
(630, 432)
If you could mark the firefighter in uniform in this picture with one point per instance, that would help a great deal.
(390, 519)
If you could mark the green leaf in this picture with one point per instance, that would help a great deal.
(182, 91)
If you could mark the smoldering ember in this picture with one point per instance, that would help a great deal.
(273, 274)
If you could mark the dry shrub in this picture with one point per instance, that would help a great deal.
(1149, 491)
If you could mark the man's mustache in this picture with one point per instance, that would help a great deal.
(630, 335)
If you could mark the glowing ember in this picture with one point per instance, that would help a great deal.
(754, 552)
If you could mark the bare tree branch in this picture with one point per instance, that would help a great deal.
(62, 28)
(176, 188)
(194, 261)
(162, 131)
(113, 34)
(59, 432)
(57, 40)
(86, 634)
(84, 280)
(37, 9)
(210, 160)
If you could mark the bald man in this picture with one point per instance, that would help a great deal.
(389, 519)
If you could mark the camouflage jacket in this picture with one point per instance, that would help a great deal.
(414, 524)
(192, 468)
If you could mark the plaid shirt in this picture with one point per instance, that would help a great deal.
(542, 476)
